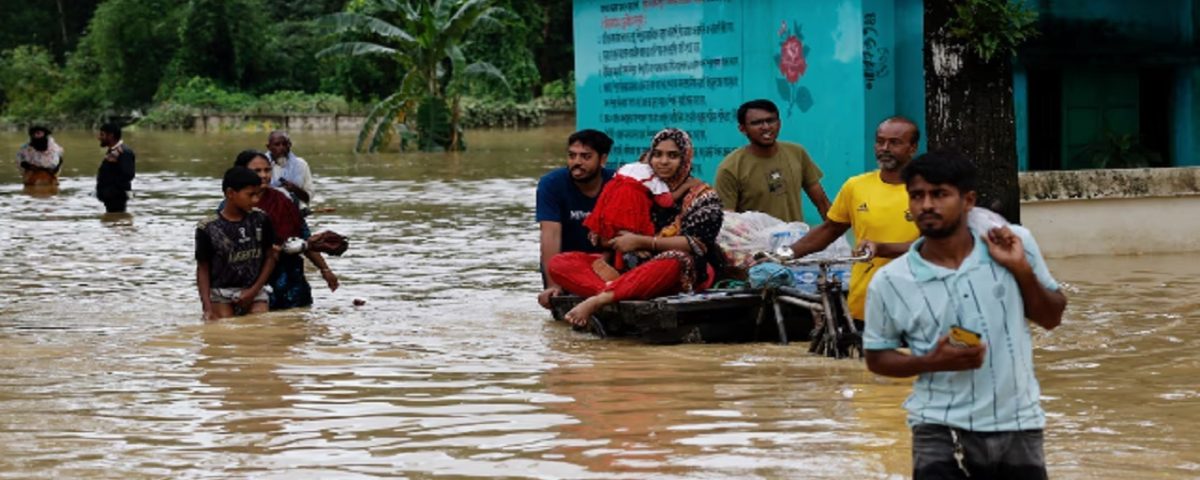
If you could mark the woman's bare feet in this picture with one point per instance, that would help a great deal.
(579, 315)
(604, 270)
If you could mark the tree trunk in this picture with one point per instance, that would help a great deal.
(969, 108)
(62, 23)
(455, 140)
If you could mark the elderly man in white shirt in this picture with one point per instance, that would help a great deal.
(291, 172)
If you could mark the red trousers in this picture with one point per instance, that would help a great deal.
(573, 272)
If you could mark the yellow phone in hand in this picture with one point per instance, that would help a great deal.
(961, 337)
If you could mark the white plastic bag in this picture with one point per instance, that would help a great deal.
(981, 220)
(744, 234)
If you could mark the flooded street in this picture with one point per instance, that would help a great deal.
(452, 370)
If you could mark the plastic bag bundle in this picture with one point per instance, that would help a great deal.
(744, 234)
(981, 220)
(785, 234)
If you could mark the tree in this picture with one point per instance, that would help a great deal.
(510, 46)
(221, 40)
(968, 89)
(426, 39)
(56, 26)
(28, 82)
(122, 58)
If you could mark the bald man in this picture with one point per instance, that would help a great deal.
(291, 172)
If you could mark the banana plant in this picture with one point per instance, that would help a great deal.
(426, 38)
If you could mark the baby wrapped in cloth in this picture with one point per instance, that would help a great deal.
(625, 203)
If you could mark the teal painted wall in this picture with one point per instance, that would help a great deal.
(879, 75)
(639, 68)
(1021, 114)
(910, 62)
(1154, 25)
(830, 128)
(1152, 20)
(1187, 130)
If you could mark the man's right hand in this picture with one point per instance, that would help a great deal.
(946, 357)
(866, 247)
(544, 297)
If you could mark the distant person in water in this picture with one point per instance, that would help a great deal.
(114, 179)
(235, 250)
(289, 172)
(40, 159)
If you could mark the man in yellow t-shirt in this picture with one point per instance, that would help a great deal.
(767, 175)
(875, 204)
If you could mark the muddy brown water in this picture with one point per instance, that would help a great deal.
(451, 370)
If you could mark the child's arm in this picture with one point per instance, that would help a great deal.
(268, 266)
(203, 285)
(270, 253)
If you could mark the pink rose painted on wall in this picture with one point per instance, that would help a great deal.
(791, 59)
(793, 64)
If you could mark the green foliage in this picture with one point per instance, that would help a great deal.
(29, 80)
(168, 115)
(53, 25)
(426, 40)
(199, 95)
(1117, 150)
(100, 58)
(291, 101)
(501, 114)
(222, 40)
(121, 59)
(434, 128)
(993, 27)
(563, 88)
(204, 94)
(509, 44)
(358, 78)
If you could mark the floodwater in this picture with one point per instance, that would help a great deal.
(451, 369)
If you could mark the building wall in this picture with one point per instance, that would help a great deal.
(863, 63)
(1118, 226)
(1113, 212)
(1117, 36)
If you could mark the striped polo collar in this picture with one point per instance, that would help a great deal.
(924, 271)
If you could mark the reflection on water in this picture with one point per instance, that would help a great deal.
(451, 368)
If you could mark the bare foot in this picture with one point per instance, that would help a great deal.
(579, 315)
(604, 270)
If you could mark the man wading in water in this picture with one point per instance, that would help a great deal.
(960, 299)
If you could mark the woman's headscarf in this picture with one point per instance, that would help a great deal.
(684, 142)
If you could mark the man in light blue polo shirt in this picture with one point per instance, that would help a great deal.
(974, 410)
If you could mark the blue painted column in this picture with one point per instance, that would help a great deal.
(910, 62)
(1187, 103)
(1021, 115)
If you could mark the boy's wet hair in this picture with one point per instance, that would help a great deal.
(593, 139)
(238, 178)
(760, 104)
(943, 167)
(243, 159)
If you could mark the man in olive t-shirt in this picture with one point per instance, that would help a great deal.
(767, 175)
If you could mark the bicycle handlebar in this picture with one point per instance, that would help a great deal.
(784, 258)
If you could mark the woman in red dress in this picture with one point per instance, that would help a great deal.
(684, 247)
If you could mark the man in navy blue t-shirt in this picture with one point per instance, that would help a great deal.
(566, 196)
